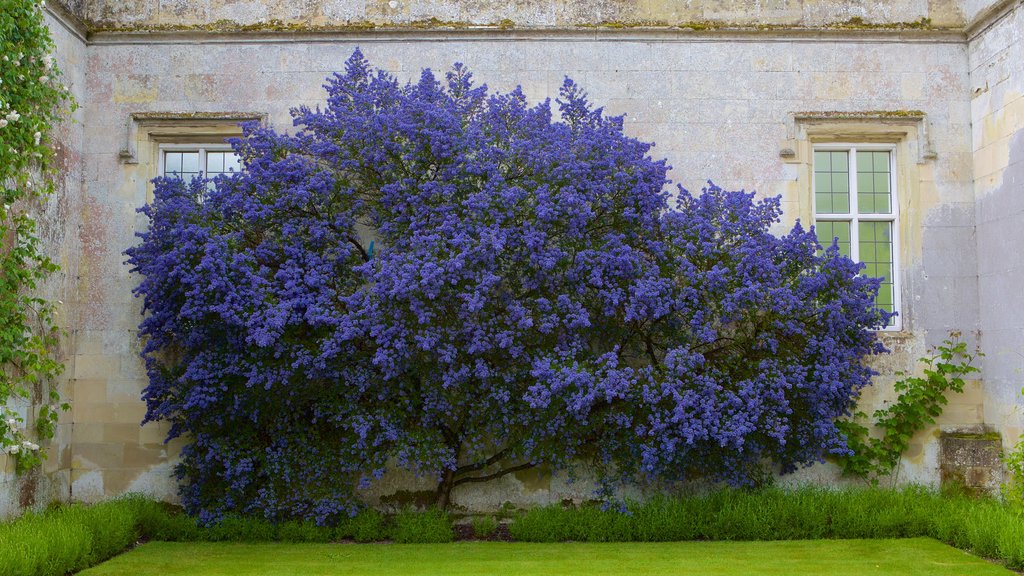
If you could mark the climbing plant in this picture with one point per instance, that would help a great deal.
(32, 102)
(921, 400)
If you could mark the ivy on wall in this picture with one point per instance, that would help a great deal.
(920, 401)
(32, 102)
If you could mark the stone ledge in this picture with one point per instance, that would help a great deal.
(640, 33)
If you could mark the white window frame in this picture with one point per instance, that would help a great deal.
(162, 150)
(854, 216)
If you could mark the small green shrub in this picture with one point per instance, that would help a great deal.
(367, 526)
(159, 521)
(296, 531)
(112, 526)
(68, 539)
(484, 526)
(236, 529)
(661, 519)
(428, 527)
(1013, 489)
(544, 524)
(983, 526)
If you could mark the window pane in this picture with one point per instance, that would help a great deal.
(881, 161)
(840, 182)
(823, 204)
(218, 163)
(172, 163)
(231, 163)
(823, 192)
(881, 183)
(873, 193)
(875, 246)
(828, 231)
(840, 192)
(839, 162)
(214, 162)
(822, 162)
(184, 165)
(822, 183)
(832, 182)
(190, 162)
(864, 162)
(883, 251)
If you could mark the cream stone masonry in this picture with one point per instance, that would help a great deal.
(717, 110)
(996, 56)
(136, 14)
(728, 92)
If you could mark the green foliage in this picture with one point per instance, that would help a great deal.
(31, 103)
(162, 522)
(983, 526)
(367, 526)
(296, 531)
(484, 526)
(1013, 488)
(428, 527)
(70, 538)
(583, 524)
(920, 401)
(767, 514)
(236, 529)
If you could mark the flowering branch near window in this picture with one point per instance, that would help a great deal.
(32, 101)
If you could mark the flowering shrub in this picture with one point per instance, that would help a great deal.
(31, 102)
(453, 282)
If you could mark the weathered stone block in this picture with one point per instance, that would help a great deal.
(972, 457)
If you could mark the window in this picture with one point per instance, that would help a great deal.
(855, 203)
(187, 161)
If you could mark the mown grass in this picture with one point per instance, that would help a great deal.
(792, 558)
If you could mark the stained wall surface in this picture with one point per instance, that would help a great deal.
(997, 138)
(129, 14)
(738, 102)
(58, 228)
(719, 108)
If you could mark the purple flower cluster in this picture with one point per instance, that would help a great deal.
(432, 277)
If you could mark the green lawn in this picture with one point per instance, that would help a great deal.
(790, 558)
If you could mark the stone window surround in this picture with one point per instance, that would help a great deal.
(907, 134)
(146, 132)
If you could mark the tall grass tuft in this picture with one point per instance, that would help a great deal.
(985, 527)
(428, 527)
(69, 538)
(74, 537)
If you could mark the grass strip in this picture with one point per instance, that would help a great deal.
(918, 556)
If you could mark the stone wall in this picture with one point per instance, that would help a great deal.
(729, 92)
(997, 137)
(720, 107)
(976, 9)
(58, 221)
